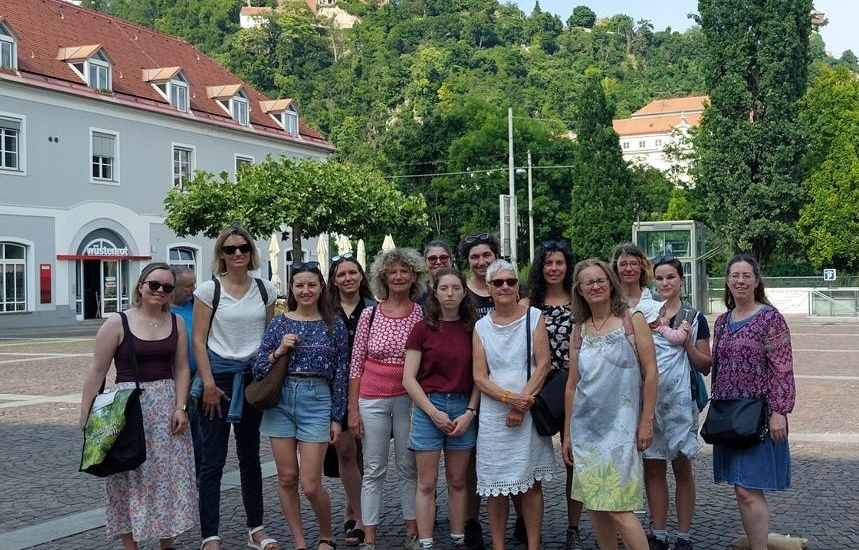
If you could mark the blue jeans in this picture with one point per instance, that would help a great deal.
(216, 439)
(194, 417)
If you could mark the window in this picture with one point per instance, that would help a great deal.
(641, 144)
(659, 143)
(626, 145)
(183, 165)
(289, 120)
(239, 108)
(104, 156)
(14, 284)
(10, 144)
(182, 255)
(178, 93)
(8, 55)
(242, 162)
(98, 72)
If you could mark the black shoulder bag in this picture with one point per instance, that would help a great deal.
(547, 411)
(736, 423)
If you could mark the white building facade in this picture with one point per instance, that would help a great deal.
(99, 119)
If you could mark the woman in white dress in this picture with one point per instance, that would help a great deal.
(511, 458)
(611, 394)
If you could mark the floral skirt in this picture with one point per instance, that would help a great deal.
(158, 499)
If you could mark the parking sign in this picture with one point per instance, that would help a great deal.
(828, 274)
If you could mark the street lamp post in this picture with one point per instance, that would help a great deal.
(530, 206)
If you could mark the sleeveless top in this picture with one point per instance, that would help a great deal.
(154, 357)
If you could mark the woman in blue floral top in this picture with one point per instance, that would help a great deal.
(313, 399)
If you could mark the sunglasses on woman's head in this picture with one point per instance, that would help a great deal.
(498, 283)
(340, 257)
(555, 245)
(155, 285)
(481, 238)
(231, 248)
(298, 267)
(659, 260)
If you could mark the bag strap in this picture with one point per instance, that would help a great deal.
(528, 340)
(129, 345)
(715, 355)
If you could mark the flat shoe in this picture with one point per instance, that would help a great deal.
(354, 537)
(348, 525)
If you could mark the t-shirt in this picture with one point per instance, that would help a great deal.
(239, 323)
(186, 312)
(446, 357)
(483, 304)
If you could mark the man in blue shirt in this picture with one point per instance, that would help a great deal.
(183, 305)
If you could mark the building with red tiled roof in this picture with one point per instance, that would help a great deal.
(99, 119)
(661, 123)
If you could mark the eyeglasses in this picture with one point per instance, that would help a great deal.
(441, 258)
(155, 285)
(628, 263)
(659, 260)
(298, 267)
(340, 257)
(230, 249)
(556, 245)
(593, 283)
(480, 238)
(498, 283)
(741, 276)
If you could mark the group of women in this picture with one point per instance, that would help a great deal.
(451, 368)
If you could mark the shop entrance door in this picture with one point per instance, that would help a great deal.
(103, 287)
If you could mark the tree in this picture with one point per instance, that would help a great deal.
(602, 195)
(582, 16)
(748, 174)
(311, 197)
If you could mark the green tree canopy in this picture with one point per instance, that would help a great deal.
(582, 16)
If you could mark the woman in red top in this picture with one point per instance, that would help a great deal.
(439, 378)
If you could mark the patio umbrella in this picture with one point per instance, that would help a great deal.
(274, 260)
(322, 253)
(388, 243)
(362, 254)
(343, 245)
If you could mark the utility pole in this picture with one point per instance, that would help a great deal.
(512, 172)
(530, 211)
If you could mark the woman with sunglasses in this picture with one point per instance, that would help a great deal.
(480, 250)
(437, 255)
(675, 429)
(378, 402)
(512, 459)
(313, 399)
(227, 334)
(634, 271)
(439, 378)
(611, 394)
(158, 499)
(549, 283)
(349, 293)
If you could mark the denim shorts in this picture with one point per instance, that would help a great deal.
(303, 412)
(425, 436)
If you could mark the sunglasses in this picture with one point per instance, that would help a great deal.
(498, 283)
(659, 260)
(231, 248)
(556, 245)
(340, 257)
(441, 258)
(480, 238)
(155, 285)
(298, 267)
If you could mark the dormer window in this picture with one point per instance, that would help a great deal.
(8, 47)
(171, 84)
(284, 112)
(239, 108)
(233, 100)
(91, 64)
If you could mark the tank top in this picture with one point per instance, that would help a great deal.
(154, 357)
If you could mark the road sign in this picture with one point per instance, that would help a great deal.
(828, 274)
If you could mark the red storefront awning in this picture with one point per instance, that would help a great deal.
(100, 257)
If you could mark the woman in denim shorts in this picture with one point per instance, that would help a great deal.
(439, 379)
(313, 399)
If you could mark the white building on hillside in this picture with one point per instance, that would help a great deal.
(99, 119)
(661, 124)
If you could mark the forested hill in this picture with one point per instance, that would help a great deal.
(422, 87)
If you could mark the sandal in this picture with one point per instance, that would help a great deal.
(207, 540)
(354, 537)
(264, 543)
(348, 525)
(332, 545)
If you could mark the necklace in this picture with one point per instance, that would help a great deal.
(601, 325)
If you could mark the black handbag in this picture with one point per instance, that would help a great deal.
(736, 423)
(547, 412)
(106, 451)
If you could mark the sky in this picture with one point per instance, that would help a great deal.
(839, 35)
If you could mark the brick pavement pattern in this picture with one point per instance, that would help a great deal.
(41, 375)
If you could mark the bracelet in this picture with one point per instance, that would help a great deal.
(472, 409)
(505, 397)
(183, 408)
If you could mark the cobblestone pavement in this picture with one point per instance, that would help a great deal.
(46, 504)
